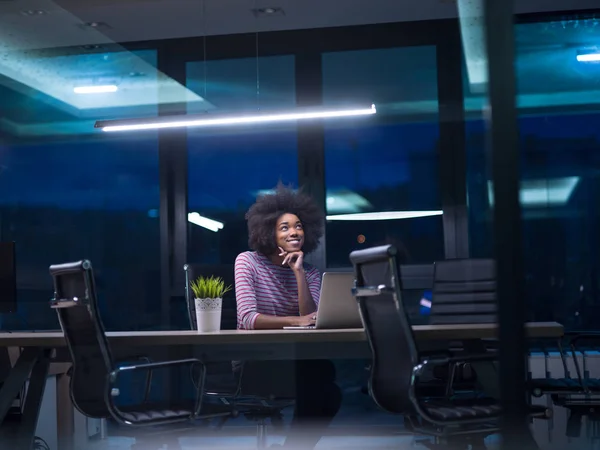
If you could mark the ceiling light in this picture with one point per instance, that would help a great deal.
(95, 89)
(385, 215)
(345, 202)
(269, 11)
(588, 57)
(92, 47)
(95, 25)
(33, 12)
(541, 192)
(204, 120)
(204, 222)
(473, 40)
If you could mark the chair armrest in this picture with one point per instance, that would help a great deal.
(156, 365)
(199, 384)
(573, 336)
(418, 369)
(148, 377)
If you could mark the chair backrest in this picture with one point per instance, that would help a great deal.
(464, 291)
(76, 305)
(379, 293)
(225, 271)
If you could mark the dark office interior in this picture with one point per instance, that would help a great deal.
(481, 151)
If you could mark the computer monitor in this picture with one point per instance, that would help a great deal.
(8, 278)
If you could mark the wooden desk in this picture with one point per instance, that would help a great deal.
(273, 337)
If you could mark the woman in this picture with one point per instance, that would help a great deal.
(275, 288)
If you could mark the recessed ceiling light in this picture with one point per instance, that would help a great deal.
(91, 47)
(33, 12)
(268, 11)
(95, 25)
(95, 89)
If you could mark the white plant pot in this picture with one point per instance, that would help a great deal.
(208, 314)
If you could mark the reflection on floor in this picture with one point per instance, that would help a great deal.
(355, 428)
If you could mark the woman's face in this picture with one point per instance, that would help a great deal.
(289, 233)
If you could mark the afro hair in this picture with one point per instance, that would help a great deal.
(263, 215)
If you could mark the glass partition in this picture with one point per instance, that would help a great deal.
(70, 192)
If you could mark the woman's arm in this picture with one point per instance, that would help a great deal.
(267, 322)
(308, 289)
(306, 301)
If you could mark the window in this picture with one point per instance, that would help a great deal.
(559, 109)
(229, 167)
(70, 192)
(385, 164)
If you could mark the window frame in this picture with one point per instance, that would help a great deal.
(307, 46)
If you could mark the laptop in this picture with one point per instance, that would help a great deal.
(338, 308)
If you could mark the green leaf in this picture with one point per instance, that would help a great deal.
(209, 287)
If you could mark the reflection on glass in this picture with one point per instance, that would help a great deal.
(72, 91)
(66, 195)
(229, 166)
(559, 110)
(382, 175)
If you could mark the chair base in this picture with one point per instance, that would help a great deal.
(261, 426)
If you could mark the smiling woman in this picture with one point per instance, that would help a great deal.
(275, 288)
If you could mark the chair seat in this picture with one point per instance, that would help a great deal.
(465, 410)
(540, 386)
(150, 413)
(473, 408)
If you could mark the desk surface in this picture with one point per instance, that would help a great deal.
(244, 337)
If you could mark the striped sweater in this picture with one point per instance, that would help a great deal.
(262, 287)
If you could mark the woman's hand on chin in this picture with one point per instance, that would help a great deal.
(295, 260)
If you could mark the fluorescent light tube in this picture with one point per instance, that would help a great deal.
(589, 57)
(542, 192)
(95, 89)
(385, 215)
(204, 120)
(204, 222)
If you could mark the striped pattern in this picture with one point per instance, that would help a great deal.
(262, 287)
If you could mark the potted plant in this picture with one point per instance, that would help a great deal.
(208, 302)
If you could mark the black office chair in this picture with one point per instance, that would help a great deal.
(222, 385)
(95, 373)
(580, 395)
(464, 291)
(397, 366)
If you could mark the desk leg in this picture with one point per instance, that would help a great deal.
(33, 400)
(64, 413)
(16, 379)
